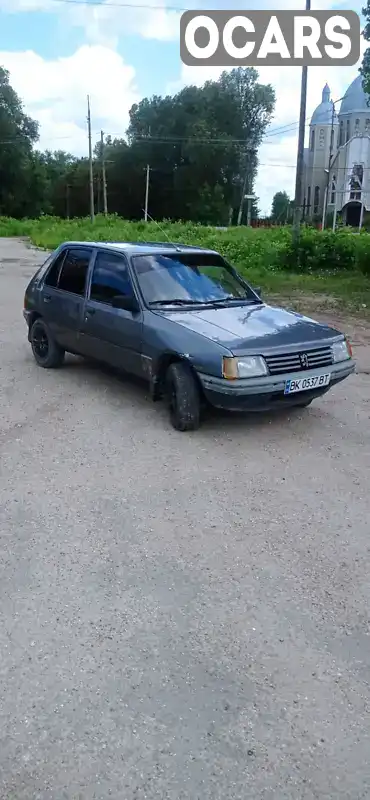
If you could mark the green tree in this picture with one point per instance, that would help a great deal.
(365, 67)
(280, 210)
(202, 137)
(19, 169)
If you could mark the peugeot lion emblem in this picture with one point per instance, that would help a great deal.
(304, 360)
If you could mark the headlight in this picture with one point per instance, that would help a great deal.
(342, 351)
(247, 367)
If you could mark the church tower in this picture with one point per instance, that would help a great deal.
(323, 134)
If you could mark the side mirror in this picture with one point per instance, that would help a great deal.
(125, 302)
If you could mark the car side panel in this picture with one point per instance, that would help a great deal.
(63, 313)
(164, 339)
(113, 336)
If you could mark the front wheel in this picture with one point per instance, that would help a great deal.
(46, 351)
(183, 397)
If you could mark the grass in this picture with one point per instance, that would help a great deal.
(334, 269)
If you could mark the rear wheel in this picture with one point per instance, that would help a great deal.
(183, 397)
(46, 351)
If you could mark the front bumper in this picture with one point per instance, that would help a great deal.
(266, 393)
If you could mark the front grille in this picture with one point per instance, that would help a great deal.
(291, 362)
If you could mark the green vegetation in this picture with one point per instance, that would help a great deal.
(333, 267)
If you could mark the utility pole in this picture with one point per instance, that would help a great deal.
(91, 180)
(67, 200)
(146, 192)
(300, 152)
(327, 187)
(242, 198)
(104, 179)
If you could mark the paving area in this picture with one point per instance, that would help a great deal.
(182, 616)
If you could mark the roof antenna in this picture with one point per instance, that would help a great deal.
(164, 232)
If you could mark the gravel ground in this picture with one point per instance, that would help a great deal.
(181, 616)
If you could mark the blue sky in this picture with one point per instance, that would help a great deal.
(57, 52)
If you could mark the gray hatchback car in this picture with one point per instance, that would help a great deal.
(182, 318)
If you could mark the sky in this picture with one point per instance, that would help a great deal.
(59, 51)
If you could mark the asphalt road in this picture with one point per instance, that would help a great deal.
(183, 617)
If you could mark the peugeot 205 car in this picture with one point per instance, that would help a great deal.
(182, 318)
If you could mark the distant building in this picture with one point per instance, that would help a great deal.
(343, 140)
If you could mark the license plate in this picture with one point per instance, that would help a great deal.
(302, 384)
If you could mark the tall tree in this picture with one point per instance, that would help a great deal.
(203, 137)
(18, 167)
(280, 207)
(365, 67)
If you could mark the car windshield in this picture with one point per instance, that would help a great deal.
(189, 278)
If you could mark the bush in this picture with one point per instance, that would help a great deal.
(256, 249)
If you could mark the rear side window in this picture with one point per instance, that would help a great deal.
(43, 269)
(53, 274)
(73, 271)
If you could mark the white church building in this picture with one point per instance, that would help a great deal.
(337, 160)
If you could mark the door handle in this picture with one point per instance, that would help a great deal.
(47, 298)
(89, 312)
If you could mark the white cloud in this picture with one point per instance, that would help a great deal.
(106, 22)
(55, 93)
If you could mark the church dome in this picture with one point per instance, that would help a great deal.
(355, 99)
(323, 114)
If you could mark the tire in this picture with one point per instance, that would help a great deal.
(183, 397)
(46, 351)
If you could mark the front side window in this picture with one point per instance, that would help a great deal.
(189, 278)
(73, 273)
(110, 278)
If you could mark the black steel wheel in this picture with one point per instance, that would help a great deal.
(183, 397)
(46, 351)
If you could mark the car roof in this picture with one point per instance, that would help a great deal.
(137, 248)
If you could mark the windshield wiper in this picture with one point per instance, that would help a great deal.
(177, 301)
(230, 298)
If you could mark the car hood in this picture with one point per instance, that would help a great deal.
(246, 328)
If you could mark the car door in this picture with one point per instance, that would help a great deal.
(112, 335)
(63, 295)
